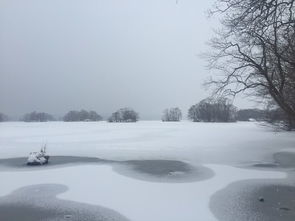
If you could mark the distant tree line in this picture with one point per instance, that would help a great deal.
(37, 117)
(124, 115)
(274, 115)
(218, 109)
(3, 117)
(82, 115)
(222, 110)
(172, 114)
(248, 114)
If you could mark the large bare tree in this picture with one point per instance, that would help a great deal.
(254, 51)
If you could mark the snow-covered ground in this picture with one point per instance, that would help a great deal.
(195, 142)
(136, 200)
(219, 147)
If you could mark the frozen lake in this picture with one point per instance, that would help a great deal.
(150, 170)
(225, 143)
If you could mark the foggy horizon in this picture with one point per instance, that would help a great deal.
(103, 55)
(125, 110)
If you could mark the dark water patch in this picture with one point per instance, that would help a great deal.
(255, 201)
(25, 213)
(39, 203)
(148, 170)
(265, 165)
(285, 159)
(259, 165)
(281, 160)
(163, 171)
(54, 161)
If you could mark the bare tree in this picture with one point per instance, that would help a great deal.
(82, 115)
(213, 110)
(124, 115)
(255, 51)
(193, 113)
(116, 117)
(172, 114)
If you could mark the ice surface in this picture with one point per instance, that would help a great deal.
(195, 142)
(216, 146)
(134, 199)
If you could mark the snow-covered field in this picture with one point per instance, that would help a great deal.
(195, 142)
(223, 148)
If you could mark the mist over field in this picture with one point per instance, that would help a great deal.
(58, 56)
(125, 110)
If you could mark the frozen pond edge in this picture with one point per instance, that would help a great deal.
(149, 170)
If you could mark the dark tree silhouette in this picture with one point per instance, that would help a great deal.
(37, 117)
(124, 115)
(82, 115)
(213, 110)
(247, 114)
(255, 51)
(172, 114)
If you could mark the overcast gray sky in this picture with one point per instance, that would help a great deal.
(60, 55)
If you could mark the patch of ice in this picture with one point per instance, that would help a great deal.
(137, 200)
